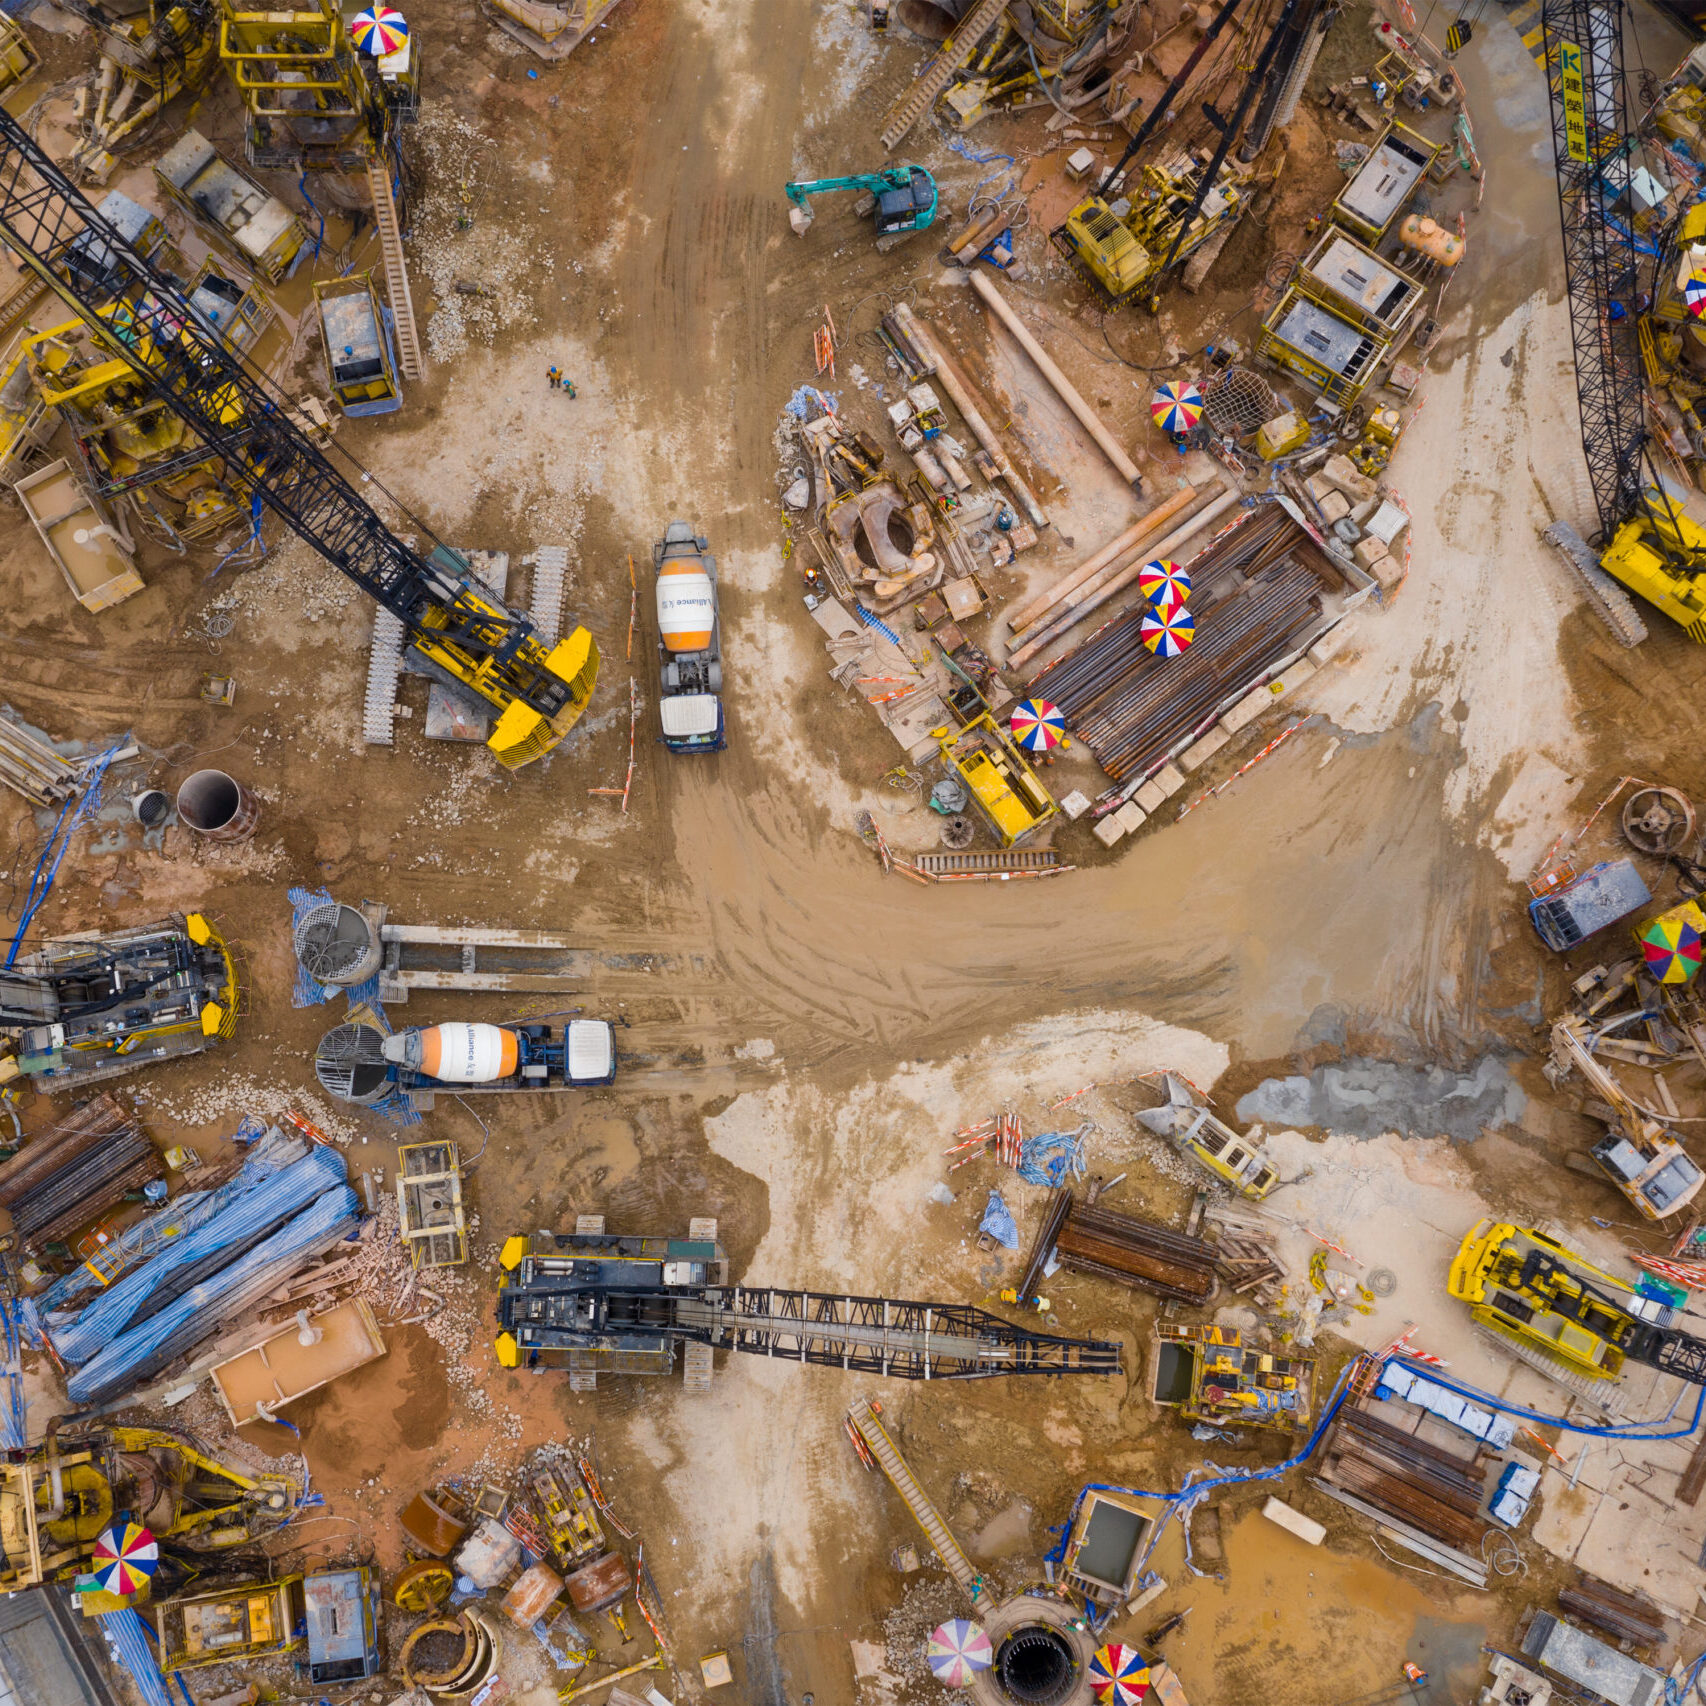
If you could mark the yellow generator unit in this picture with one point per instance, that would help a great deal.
(1007, 790)
(1211, 1377)
(1119, 247)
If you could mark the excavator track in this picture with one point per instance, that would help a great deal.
(1611, 604)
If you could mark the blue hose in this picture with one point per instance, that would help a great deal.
(302, 185)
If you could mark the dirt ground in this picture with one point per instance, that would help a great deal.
(801, 1036)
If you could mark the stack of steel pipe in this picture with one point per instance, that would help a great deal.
(1408, 1478)
(1619, 1614)
(68, 1174)
(1155, 703)
(1136, 1253)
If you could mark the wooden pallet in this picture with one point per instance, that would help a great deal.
(950, 58)
(988, 861)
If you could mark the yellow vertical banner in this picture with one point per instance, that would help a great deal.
(1575, 107)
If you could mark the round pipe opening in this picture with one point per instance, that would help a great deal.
(932, 19)
(218, 806)
(1035, 1666)
(151, 808)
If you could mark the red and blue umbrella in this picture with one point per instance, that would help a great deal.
(957, 1650)
(1164, 583)
(1119, 1674)
(1037, 725)
(1694, 292)
(124, 1558)
(379, 30)
(1177, 407)
(1168, 632)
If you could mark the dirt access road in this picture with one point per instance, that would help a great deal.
(802, 1031)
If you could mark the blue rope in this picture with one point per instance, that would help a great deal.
(80, 807)
(302, 185)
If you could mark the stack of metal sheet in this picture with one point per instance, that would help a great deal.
(1120, 1247)
(1619, 1614)
(71, 1173)
(1257, 594)
(1418, 1483)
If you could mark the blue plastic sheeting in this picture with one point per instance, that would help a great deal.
(130, 1356)
(129, 1647)
(271, 1201)
(1396, 1381)
(999, 1223)
(181, 1216)
(1051, 1157)
(17, 1326)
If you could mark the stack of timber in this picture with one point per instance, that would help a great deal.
(1620, 1615)
(74, 1171)
(1120, 1247)
(1407, 1478)
(1245, 1259)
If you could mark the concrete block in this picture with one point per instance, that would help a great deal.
(1333, 505)
(1340, 473)
(1075, 805)
(1318, 486)
(1078, 165)
(1293, 678)
(1388, 572)
(1132, 816)
(1368, 552)
(1168, 780)
(1108, 830)
(1294, 1522)
(1153, 1592)
(1334, 641)
(1246, 711)
(1150, 798)
(1194, 757)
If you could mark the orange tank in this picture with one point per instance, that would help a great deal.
(687, 607)
(468, 1054)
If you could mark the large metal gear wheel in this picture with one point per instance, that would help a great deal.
(1658, 821)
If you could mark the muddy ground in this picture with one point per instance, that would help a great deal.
(814, 1033)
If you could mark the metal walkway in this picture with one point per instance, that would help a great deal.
(989, 861)
(396, 271)
(861, 1418)
(951, 57)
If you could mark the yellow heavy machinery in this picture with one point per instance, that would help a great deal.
(149, 56)
(1563, 1315)
(313, 103)
(1007, 790)
(58, 1498)
(137, 444)
(1211, 1377)
(457, 628)
(1121, 248)
(17, 57)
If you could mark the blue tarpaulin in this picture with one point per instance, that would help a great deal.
(999, 1223)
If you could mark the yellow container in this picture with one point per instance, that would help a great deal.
(1281, 436)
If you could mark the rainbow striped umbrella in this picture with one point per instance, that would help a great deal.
(1177, 407)
(957, 1650)
(1037, 725)
(379, 30)
(1671, 947)
(1694, 293)
(124, 1558)
(1119, 1674)
(1164, 583)
(1168, 632)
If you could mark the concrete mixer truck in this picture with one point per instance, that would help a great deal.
(360, 1063)
(690, 642)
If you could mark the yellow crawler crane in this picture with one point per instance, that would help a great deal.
(454, 624)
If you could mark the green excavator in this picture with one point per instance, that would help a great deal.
(901, 200)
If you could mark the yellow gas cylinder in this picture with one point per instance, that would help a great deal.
(1429, 237)
(1282, 435)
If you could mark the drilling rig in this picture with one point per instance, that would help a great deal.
(458, 630)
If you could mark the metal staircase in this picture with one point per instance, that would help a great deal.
(862, 1418)
(396, 271)
(951, 57)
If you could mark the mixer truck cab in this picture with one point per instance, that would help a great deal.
(690, 642)
(505, 1057)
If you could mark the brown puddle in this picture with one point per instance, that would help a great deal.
(1298, 1625)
